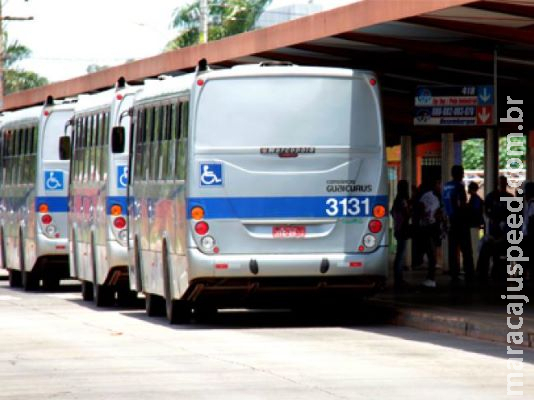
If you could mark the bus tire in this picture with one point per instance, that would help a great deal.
(87, 291)
(29, 281)
(15, 278)
(103, 296)
(178, 311)
(126, 297)
(154, 305)
(51, 284)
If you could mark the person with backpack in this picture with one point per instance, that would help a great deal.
(401, 214)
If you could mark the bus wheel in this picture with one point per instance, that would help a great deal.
(29, 281)
(87, 291)
(103, 295)
(178, 311)
(154, 305)
(51, 284)
(126, 297)
(15, 278)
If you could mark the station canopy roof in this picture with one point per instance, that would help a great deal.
(406, 42)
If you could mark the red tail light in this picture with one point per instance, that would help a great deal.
(119, 222)
(46, 219)
(202, 228)
(375, 226)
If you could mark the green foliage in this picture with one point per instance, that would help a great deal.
(473, 153)
(17, 79)
(226, 18)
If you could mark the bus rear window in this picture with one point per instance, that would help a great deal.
(53, 130)
(287, 111)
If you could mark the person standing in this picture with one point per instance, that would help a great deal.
(475, 207)
(429, 228)
(401, 213)
(455, 202)
(495, 235)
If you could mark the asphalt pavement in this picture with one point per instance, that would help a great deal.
(55, 346)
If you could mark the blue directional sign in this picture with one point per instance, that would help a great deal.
(53, 180)
(485, 95)
(468, 105)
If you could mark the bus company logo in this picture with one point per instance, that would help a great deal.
(211, 174)
(349, 186)
(53, 180)
(287, 150)
(122, 176)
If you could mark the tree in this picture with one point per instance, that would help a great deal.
(226, 18)
(473, 153)
(17, 79)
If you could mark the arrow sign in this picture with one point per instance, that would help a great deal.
(484, 115)
(485, 95)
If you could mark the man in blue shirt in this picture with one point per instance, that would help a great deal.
(455, 202)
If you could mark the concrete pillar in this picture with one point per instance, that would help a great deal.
(447, 161)
(408, 172)
(491, 160)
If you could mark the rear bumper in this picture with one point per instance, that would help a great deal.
(49, 246)
(287, 265)
(278, 280)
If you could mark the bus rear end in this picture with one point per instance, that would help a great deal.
(287, 183)
(51, 203)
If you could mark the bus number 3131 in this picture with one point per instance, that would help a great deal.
(347, 207)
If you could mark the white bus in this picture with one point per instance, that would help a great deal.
(33, 195)
(257, 185)
(97, 197)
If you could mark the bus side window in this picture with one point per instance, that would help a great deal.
(94, 138)
(178, 133)
(155, 144)
(16, 157)
(33, 165)
(26, 159)
(98, 145)
(11, 152)
(171, 137)
(182, 142)
(149, 134)
(86, 148)
(164, 144)
(105, 146)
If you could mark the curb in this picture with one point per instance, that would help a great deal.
(436, 321)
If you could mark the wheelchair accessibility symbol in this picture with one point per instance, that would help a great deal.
(54, 180)
(122, 176)
(211, 174)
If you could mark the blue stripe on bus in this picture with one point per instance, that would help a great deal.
(55, 203)
(120, 200)
(287, 207)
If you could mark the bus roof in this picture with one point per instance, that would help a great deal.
(155, 89)
(92, 102)
(22, 117)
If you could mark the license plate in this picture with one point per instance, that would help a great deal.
(289, 232)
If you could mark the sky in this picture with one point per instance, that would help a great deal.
(68, 35)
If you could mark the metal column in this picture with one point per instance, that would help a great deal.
(447, 161)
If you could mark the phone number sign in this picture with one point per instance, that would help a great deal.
(454, 106)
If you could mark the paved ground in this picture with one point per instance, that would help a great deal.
(54, 346)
